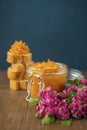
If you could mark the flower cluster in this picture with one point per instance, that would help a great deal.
(71, 102)
(83, 81)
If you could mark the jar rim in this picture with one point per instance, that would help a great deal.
(63, 69)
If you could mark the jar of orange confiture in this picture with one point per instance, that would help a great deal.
(44, 74)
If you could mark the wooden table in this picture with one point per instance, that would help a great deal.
(16, 114)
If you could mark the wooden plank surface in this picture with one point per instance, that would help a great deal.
(16, 114)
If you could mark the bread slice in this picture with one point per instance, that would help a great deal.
(18, 67)
(11, 58)
(18, 84)
(24, 59)
(27, 58)
(13, 75)
(29, 65)
(14, 84)
(23, 84)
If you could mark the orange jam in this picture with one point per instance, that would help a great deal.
(44, 74)
(19, 48)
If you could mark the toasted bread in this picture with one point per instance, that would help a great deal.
(13, 75)
(23, 84)
(18, 84)
(24, 59)
(14, 84)
(18, 67)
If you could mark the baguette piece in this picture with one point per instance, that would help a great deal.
(29, 65)
(23, 84)
(18, 67)
(14, 84)
(24, 58)
(18, 84)
(13, 75)
(25, 76)
(11, 58)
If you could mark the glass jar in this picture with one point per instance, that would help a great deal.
(39, 80)
(74, 73)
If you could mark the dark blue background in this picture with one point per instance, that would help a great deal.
(54, 29)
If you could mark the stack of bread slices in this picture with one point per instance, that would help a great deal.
(20, 57)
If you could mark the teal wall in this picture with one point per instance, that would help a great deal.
(54, 29)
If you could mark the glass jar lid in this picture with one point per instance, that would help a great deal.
(74, 73)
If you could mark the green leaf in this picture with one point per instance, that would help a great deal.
(76, 82)
(69, 83)
(81, 85)
(33, 101)
(72, 93)
(47, 120)
(57, 121)
(37, 115)
(68, 100)
(66, 122)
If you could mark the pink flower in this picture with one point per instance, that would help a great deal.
(49, 100)
(82, 94)
(71, 101)
(63, 111)
(72, 88)
(85, 110)
(63, 94)
(83, 81)
(76, 109)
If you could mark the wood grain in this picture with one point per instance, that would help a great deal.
(16, 114)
